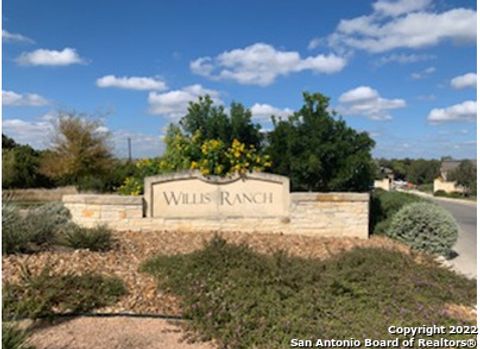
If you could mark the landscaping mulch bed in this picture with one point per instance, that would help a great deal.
(132, 248)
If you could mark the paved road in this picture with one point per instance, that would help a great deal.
(466, 246)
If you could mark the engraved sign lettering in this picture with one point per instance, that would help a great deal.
(189, 194)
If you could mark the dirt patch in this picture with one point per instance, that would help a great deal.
(133, 248)
(113, 333)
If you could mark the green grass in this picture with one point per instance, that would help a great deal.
(95, 239)
(454, 195)
(248, 300)
(45, 295)
(14, 338)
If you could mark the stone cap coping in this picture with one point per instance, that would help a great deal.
(103, 199)
(216, 179)
(330, 197)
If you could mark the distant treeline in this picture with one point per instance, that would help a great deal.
(416, 171)
(25, 167)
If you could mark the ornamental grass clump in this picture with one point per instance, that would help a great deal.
(14, 235)
(13, 337)
(94, 239)
(46, 294)
(33, 230)
(45, 222)
(426, 227)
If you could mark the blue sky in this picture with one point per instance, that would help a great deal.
(405, 70)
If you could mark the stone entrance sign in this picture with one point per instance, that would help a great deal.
(190, 195)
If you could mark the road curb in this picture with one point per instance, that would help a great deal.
(457, 201)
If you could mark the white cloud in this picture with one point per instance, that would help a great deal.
(464, 81)
(366, 101)
(265, 111)
(174, 103)
(466, 111)
(13, 99)
(404, 58)
(377, 33)
(423, 74)
(37, 134)
(132, 83)
(50, 57)
(400, 7)
(102, 129)
(14, 37)
(260, 64)
(34, 133)
(315, 42)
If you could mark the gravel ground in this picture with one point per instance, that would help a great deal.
(113, 333)
(133, 248)
(143, 297)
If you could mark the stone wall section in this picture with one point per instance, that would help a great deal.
(317, 214)
(93, 209)
(448, 187)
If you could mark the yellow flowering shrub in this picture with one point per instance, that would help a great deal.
(218, 160)
(211, 157)
(131, 186)
(245, 159)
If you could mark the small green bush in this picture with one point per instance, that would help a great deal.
(440, 193)
(109, 181)
(426, 227)
(245, 299)
(45, 221)
(91, 183)
(384, 204)
(14, 338)
(36, 229)
(15, 237)
(94, 239)
(443, 193)
(46, 294)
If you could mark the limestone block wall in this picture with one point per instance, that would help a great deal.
(94, 209)
(448, 187)
(385, 184)
(330, 214)
(318, 214)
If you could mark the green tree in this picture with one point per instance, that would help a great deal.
(400, 168)
(421, 171)
(21, 168)
(320, 152)
(212, 122)
(465, 175)
(7, 142)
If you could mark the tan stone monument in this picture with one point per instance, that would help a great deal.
(254, 203)
(190, 195)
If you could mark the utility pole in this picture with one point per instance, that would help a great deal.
(129, 149)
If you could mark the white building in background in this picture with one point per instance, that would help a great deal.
(442, 182)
